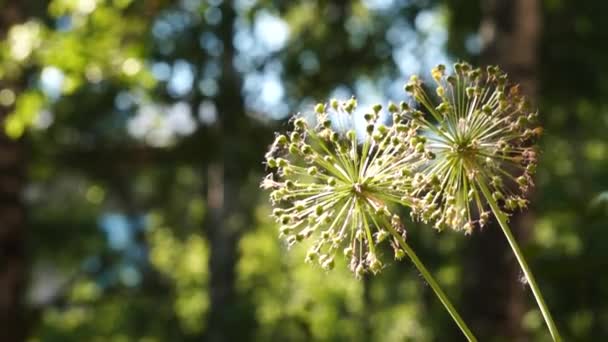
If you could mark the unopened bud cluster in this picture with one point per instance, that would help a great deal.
(481, 134)
(334, 187)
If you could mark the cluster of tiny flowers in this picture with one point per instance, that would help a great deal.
(333, 186)
(480, 132)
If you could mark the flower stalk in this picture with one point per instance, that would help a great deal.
(544, 309)
(436, 288)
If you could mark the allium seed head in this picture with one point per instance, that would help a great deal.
(480, 134)
(332, 184)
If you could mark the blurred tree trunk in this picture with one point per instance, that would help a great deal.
(496, 297)
(225, 177)
(12, 212)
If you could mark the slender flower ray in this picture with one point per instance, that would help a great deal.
(334, 187)
(480, 135)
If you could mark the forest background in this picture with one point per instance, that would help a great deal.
(132, 145)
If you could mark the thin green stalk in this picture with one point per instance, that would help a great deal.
(502, 220)
(434, 285)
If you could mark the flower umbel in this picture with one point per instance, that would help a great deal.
(481, 134)
(333, 186)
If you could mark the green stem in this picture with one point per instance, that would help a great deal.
(434, 285)
(502, 220)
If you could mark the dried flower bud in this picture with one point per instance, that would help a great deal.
(320, 108)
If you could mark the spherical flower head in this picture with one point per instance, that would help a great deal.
(481, 133)
(333, 185)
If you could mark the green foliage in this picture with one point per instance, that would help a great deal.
(298, 301)
(289, 301)
(101, 43)
(184, 263)
(27, 106)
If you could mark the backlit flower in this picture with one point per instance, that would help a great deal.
(480, 132)
(333, 185)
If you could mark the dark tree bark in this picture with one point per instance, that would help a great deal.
(12, 213)
(12, 239)
(496, 296)
(225, 177)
